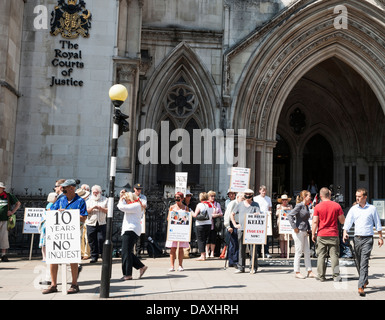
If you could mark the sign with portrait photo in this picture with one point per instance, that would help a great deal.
(179, 226)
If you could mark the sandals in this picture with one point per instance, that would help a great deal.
(73, 289)
(50, 289)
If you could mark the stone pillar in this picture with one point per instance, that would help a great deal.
(11, 22)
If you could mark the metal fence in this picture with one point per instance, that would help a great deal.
(156, 226)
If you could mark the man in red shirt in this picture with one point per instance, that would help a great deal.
(326, 216)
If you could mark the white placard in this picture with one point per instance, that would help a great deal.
(239, 180)
(179, 226)
(63, 236)
(255, 228)
(32, 219)
(181, 182)
(284, 223)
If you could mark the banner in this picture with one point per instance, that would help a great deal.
(32, 219)
(255, 229)
(63, 236)
(179, 226)
(239, 179)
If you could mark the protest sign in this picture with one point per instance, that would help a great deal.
(63, 236)
(181, 182)
(32, 219)
(255, 229)
(179, 226)
(239, 179)
(284, 224)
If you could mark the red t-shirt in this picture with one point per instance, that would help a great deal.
(328, 213)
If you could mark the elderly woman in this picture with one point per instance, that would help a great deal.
(130, 204)
(203, 227)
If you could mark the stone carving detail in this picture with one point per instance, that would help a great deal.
(181, 101)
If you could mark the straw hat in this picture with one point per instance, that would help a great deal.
(284, 197)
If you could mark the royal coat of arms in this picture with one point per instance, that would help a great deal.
(70, 18)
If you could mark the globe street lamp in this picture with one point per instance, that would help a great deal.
(118, 94)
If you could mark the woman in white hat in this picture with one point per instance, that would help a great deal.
(283, 207)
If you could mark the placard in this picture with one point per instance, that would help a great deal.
(255, 229)
(32, 219)
(239, 179)
(179, 226)
(181, 182)
(284, 223)
(380, 205)
(63, 236)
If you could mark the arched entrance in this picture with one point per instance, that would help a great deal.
(301, 58)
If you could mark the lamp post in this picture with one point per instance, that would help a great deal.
(118, 94)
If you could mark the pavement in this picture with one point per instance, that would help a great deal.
(201, 280)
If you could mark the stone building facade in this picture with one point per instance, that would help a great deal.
(304, 79)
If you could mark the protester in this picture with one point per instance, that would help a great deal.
(283, 207)
(231, 197)
(365, 217)
(217, 214)
(69, 200)
(265, 206)
(9, 204)
(326, 216)
(203, 227)
(138, 191)
(132, 207)
(238, 217)
(97, 207)
(299, 221)
(177, 208)
(232, 235)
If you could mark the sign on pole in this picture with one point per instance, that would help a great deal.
(255, 228)
(179, 226)
(63, 237)
(284, 223)
(32, 219)
(181, 182)
(239, 179)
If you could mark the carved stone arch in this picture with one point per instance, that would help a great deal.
(181, 62)
(300, 40)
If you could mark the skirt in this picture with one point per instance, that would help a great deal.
(174, 244)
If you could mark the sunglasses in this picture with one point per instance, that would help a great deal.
(177, 199)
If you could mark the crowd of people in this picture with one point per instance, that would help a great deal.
(317, 223)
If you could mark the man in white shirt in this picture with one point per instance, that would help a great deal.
(365, 217)
(265, 205)
(97, 207)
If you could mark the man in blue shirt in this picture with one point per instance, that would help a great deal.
(365, 217)
(70, 200)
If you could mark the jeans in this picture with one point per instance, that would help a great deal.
(325, 245)
(301, 242)
(129, 260)
(363, 248)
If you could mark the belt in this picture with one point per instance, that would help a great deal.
(363, 237)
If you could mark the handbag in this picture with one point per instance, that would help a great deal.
(203, 215)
